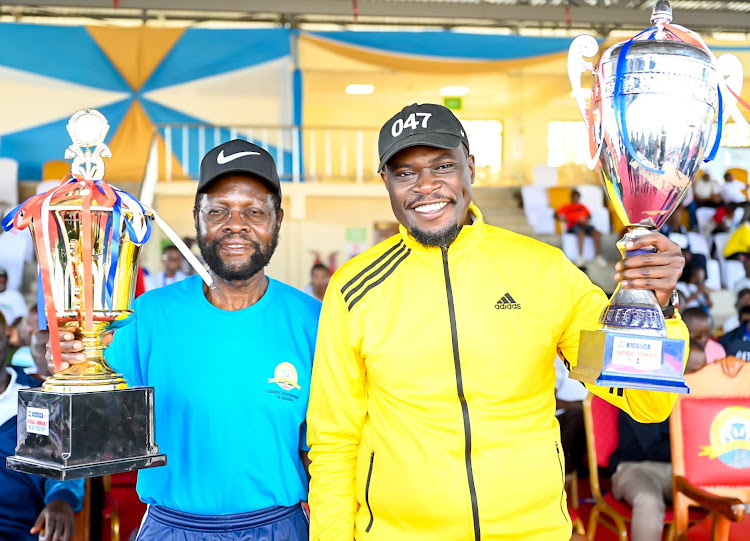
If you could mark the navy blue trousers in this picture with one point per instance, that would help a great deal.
(272, 524)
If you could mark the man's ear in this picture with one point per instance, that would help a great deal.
(472, 167)
(196, 213)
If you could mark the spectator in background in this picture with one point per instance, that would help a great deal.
(28, 503)
(706, 191)
(577, 220)
(743, 299)
(643, 471)
(689, 204)
(703, 348)
(38, 348)
(737, 342)
(738, 244)
(22, 358)
(319, 278)
(16, 249)
(171, 259)
(192, 245)
(744, 282)
(12, 304)
(733, 190)
(724, 219)
(673, 225)
(693, 286)
(569, 396)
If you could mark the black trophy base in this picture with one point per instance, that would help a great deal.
(73, 435)
(61, 473)
(620, 360)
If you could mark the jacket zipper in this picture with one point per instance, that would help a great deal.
(462, 399)
(367, 491)
(562, 472)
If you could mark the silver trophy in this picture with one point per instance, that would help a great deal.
(654, 113)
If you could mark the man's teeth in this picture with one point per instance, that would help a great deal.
(430, 208)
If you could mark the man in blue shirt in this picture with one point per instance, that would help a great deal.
(29, 504)
(737, 342)
(230, 364)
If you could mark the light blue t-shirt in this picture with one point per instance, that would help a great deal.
(230, 392)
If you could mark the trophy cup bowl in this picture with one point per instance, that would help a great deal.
(67, 275)
(85, 421)
(653, 109)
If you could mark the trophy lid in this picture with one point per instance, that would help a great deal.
(662, 12)
(87, 129)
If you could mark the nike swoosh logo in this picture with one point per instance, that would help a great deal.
(221, 159)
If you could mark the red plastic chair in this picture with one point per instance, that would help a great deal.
(123, 510)
(600, 418)
(710, 437)
(110, 512)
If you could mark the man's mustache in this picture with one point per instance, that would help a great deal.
(427, 197)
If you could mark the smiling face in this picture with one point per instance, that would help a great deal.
(430, 192)
(236, 250)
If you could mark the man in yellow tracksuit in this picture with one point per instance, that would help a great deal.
(432, 403)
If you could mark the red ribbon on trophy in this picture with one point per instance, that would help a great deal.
(35, 211)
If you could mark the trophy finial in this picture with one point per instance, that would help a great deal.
(87, 129)
(662, 12)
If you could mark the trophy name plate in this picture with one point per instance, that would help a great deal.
(611, 359)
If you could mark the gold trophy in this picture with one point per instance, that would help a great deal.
(85, 421)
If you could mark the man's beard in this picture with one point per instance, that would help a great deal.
(237, 273)
(442, 238)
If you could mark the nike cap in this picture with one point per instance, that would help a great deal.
(425, 124)
(238, 156)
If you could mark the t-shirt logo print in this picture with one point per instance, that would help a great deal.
(285, 376)
(507, 302)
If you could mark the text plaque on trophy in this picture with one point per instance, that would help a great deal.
(85, 421)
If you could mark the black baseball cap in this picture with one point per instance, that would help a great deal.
(425, 124)
(238, 156)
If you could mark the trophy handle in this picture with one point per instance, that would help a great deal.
(582, 46)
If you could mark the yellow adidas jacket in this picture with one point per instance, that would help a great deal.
(432, 412)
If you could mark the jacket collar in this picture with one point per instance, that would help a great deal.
(468, 236)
